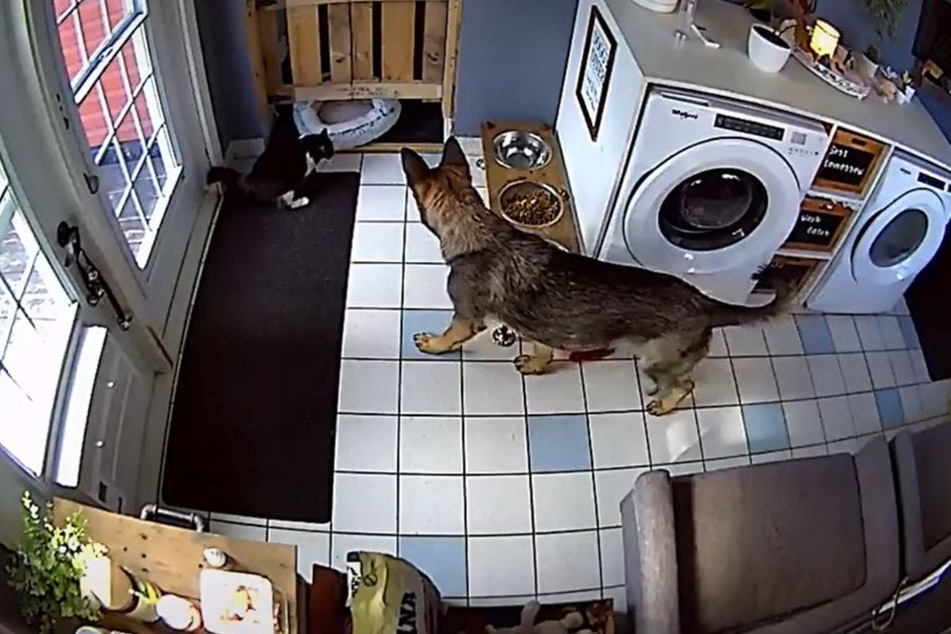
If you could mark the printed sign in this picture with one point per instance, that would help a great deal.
(594, 77)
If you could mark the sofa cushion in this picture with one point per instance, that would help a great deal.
(757, 544)
(934, 475)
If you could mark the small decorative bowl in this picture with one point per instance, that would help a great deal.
(516, 149)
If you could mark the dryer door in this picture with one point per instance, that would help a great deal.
(712, 207)
(897, 242)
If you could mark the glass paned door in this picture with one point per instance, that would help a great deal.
(36, 320)
(105, 48)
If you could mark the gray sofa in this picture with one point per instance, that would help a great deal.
(803, 546)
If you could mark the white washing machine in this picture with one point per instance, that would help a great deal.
(711, 191)
(897, 233)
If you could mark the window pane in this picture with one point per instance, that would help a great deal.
(70, 40)
(7, 311)
(95, 124)
(95, 31)
(132, 226)
(85, 30)
(36, 319)
(18, 248)
(112, 176)
(23, 427)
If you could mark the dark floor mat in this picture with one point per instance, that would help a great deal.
(252, 428)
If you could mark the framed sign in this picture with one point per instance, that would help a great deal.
(850, 163)
(820, 224)
(594, 76)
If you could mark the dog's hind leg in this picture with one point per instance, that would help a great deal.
(537, 363)
(670, 370)
(460, 330)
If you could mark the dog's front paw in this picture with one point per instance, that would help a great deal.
(669, 402)
(531, 364)
(431, 344)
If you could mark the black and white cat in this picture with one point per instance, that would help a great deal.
(279, 173)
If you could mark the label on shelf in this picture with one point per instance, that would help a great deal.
(850, 163)
(820, 225)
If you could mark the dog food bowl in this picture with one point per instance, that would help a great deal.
(531, 205)
(517, 149)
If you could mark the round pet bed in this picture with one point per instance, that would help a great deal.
(350, 124)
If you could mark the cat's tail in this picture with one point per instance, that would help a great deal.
(227, 177)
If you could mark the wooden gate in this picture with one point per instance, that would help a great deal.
(354, 49)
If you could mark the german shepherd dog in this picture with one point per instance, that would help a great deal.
(556, 299)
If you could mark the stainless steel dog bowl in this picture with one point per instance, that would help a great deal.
(516, 149)
(523, 188)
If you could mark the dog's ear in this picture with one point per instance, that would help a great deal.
(453, 156)
(414, 166)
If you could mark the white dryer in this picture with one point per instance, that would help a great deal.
(897, 233)
(711, 190)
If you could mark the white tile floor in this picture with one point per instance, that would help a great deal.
(503, 487)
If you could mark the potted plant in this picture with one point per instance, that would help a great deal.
(886, 14)
(48, 568)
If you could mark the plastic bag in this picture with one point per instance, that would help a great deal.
(388, 595)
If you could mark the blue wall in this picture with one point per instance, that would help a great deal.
(858, 30)
(224, 46)
(512, 60)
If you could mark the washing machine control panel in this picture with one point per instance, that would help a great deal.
(746, 126)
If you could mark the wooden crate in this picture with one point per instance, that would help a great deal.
(355, 49)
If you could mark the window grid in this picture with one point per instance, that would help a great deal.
(127, 135)
(36, 318)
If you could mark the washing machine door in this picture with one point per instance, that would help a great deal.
(897, 242)
(712, 207)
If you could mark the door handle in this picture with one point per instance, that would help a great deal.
(96, 286)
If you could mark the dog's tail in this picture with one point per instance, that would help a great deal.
(227, 177)
(733, 315)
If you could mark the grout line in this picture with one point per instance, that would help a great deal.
(465, 480)
(594, 483)
(531, 482)
(399, 383)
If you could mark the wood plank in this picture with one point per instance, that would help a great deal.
(434, 42)
(273, 49)
(453, 24)
(399, 25)
(171, 557)
(338, 20)
(303, 33)
(256, 57)
(361, 30)
(369, 90)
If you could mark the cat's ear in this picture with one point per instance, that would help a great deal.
(452, 155)
(414, 166)
(325, 134)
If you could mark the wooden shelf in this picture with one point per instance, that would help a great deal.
(565, 231)
(172, 558)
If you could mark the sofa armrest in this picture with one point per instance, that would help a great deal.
(650, 555)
